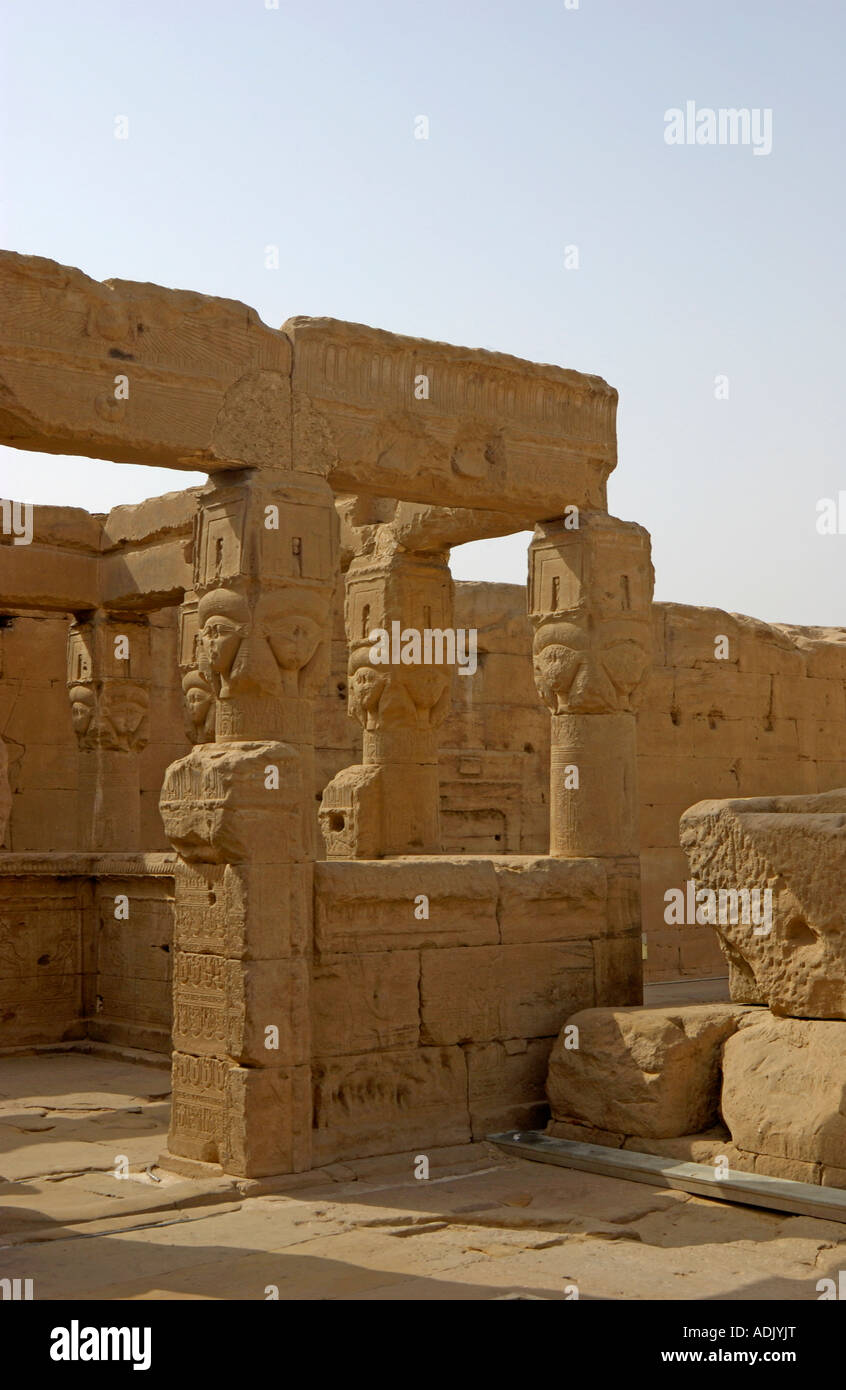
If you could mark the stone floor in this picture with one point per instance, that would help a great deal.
(484, 1225)
(671, 993)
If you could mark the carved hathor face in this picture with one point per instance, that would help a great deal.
(293, 641)
(591, 670)
(395, 697)
(224, 619)
(293, 620)
(223, 638)
(365, 690)
(198, 696)
(82, 708)
(124, 706)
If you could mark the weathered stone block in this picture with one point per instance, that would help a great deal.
(507, 1085)
(226, 802)
(268, 1121)
(649, 1072)
(375, 905)
(689, 634)
(226, 1007)
(366, 1003)
(245, 911)
(229, 372)
(351, 814)
(783, 1089)
(552, 444)
(389, 1101)
(485, 993)
(794, 848)
(618, 969)
(545, 899)
(764, 777)
(253, 1122)
(718, 688)
(803, 697)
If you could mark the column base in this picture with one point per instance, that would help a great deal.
(189, 1167)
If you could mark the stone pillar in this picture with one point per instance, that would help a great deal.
(109, 692)
(390, 803)
(590, 595)
(238, 812)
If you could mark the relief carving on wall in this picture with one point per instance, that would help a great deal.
(108, 683)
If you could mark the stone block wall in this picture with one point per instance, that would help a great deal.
(35, 722)
(439, 988)
(132, 961)
(43, 957)
(768, 717)
(85, 950)
(733, 707)
(495, 742)
(36, 726)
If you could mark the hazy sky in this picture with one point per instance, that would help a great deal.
(251, 126)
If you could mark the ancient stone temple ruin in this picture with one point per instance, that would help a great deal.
(358, 901)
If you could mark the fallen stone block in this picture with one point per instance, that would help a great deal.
(653, 1073)
(783, 1091)
(794, 849)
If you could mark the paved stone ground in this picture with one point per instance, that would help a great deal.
(672, 993)
(484, 1225)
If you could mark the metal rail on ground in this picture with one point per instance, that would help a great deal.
(750, 1189)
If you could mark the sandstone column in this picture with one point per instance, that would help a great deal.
(108, 688)
(590, 593)
(390, 803)
(238, 811)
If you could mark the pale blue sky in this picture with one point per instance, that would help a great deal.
(295, 126)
